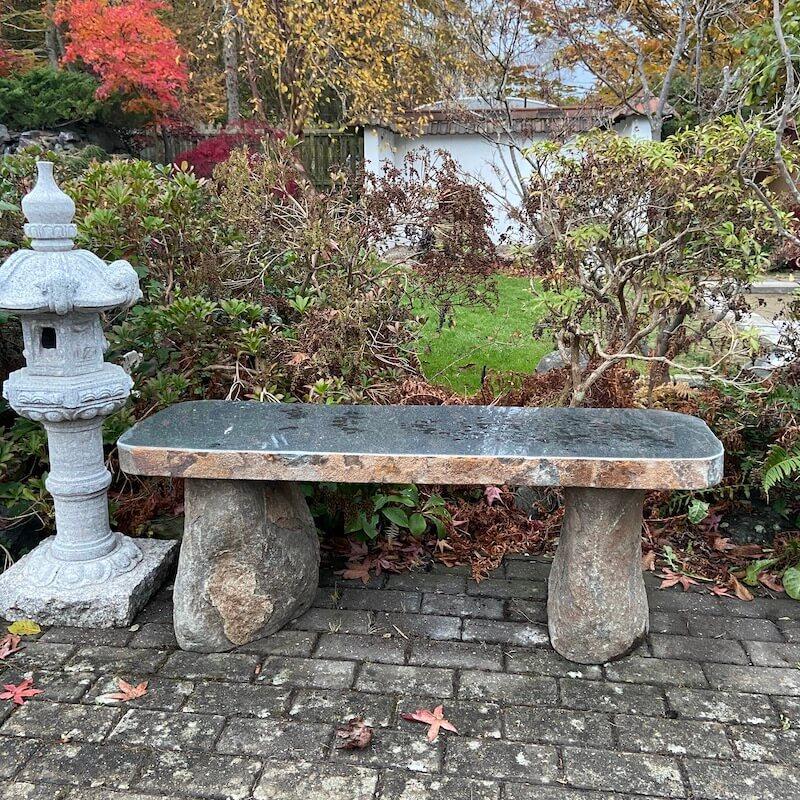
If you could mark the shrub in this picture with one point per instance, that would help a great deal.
(645, 248)
(206, 155)
(44, 98)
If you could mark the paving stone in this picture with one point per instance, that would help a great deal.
(515, 633)
(747, 709)
(272, 739)
(106, 794)
(327, 620)
(508, 589)
(115, 659)
(328, 578)
(163, 694)
(740, 781)
(78, 723)
(361, 648)
(558, 726)
(765, 744)
(715, 627)
(58, 687)
(788, 707)
(520, 791)
(210, 666)
(465, 655)
(790, 630)
(308, 672)
(692, 648)
(532, 690)
(544, 661)
(281, 781)
(90, 765)
(471, 717)
(530, 570)
(668, 622)
(156, 636)
(696, 603)
(116, 637)
(461, 605)
(238, 699)
(650, 775)
(657, 671)
(334, 705)
(673, 737)
(398, 750)
(426, 626)
(427, 582)
(298, 644)
(501, 759)
(13, 754)
(625, 698)
(530, 611)
(45, 656)
(385, 600)
(31, 791)
(773, 654)
(204, 775)
(168, 730)
(760, 680)
(392, 678)
(400, 786)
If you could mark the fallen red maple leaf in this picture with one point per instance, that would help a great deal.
(127, 691)
(671, 578)
(492, 493)
(355, 735)
(20, 693)
(435, 719)
(9, 644)
(355, 571)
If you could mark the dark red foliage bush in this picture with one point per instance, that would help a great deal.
(216, 149)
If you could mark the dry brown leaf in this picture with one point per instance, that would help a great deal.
(9, 644)
(354, 735)
(740, 590)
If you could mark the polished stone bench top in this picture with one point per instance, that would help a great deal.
(610, 448)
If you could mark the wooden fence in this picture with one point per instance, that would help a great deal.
(320, 151)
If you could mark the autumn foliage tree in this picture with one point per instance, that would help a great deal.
(367, 57)
(130, 50)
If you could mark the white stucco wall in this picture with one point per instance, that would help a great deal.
(488, 161)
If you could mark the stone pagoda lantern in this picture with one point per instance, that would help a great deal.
(86, 575)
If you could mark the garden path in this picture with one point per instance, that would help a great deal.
(709, 707)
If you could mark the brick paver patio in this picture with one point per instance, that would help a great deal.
(708, 708)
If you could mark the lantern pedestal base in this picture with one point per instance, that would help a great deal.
(109, 604)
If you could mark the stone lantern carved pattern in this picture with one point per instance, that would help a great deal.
(59, 294)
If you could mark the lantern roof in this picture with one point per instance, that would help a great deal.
(53, 277)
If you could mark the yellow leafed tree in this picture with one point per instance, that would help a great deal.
(365, 58)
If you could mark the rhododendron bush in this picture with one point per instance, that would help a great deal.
(130, 50)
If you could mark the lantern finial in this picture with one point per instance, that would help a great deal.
(49, 212)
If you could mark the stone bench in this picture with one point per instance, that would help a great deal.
(250, 556)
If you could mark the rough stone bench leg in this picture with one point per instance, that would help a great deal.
(597, 605)
(249, 562)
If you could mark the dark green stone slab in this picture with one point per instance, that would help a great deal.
(611, 448)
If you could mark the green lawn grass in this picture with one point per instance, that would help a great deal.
(498, 338)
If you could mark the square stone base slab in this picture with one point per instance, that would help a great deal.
(112, 604)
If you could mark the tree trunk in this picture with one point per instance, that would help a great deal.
(230, 61)
(51, 45)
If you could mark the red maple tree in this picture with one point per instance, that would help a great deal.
(130, 50)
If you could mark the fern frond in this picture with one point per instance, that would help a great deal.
(780, 466)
